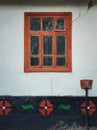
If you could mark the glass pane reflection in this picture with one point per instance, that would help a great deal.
(60, 61)
(35, 24)
(60, 44)
(47, 61)
(47, 24)
(34, 44)
(34, 61)
(47, 44)
(60, 24)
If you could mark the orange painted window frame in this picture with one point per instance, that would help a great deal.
(67, 32)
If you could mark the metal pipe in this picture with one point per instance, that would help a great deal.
(87, 109)
(86, 84)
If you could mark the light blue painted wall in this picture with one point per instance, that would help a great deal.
(13, 80)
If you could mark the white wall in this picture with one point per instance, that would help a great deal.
(13, 80)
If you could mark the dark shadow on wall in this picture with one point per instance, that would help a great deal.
(42, 2)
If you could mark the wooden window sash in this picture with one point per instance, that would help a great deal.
(41, 33)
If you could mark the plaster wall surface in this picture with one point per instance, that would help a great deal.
(13, 80)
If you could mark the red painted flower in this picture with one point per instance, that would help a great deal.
(91, 107)
(5, 107)
(46, 107)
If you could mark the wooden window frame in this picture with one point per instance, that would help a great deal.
(67, 32)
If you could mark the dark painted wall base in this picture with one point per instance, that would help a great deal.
(47, 113)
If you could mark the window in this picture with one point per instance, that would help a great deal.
(47, 42)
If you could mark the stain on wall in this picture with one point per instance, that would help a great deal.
(39, 2)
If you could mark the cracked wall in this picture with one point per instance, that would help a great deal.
(84, 49)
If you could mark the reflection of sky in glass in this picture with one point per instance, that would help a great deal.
(60, 44)
(48, 61)
(47, 42)
(47, 24)
(35, 24)
(60, 24)
(34, 44)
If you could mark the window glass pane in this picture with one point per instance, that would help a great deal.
(60, 44)
(60, 61)
(47, 44)
(35, 24)
(34, 61)
(47, 24)
(34, 44)
(60, 24)
(47, 61)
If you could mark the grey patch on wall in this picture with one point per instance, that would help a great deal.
(73, 126)
(41, 2)
(91, 3)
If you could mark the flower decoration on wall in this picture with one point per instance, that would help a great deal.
(5, 107)
(46, 107)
